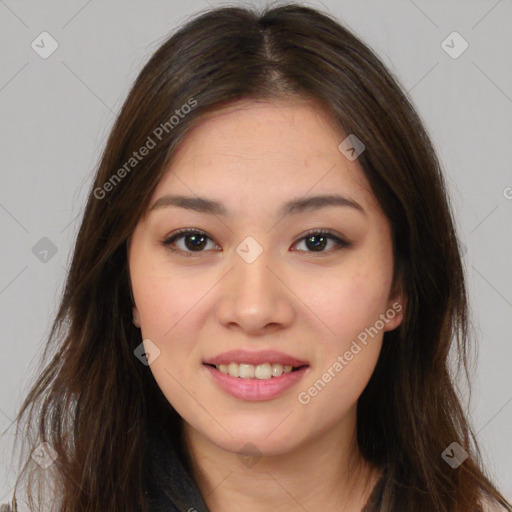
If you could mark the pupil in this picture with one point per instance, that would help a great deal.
(321, 245)
(195, 238)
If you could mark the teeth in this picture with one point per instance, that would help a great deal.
(233, 369)
(246, 371)
(263, 371)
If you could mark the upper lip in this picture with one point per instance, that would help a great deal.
(255, 358)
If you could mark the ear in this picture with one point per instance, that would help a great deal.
(396, 306)
(136, 319)
(135, 312)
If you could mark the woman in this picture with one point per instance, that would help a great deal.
(263, 293)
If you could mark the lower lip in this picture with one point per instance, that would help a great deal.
(256, 389)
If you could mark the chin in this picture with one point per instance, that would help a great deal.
(262, 442)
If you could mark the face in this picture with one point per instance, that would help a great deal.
(251, 277)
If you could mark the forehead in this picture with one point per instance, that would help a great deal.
(267, 151)
(265, 129)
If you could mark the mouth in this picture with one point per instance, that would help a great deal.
(251, 358)
(255, 383)
(255, 376)
(264, 371)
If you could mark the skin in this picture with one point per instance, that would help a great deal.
(253, 157)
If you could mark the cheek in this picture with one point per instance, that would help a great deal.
(157, 305)
(348, 301)
(335, 389)
(166, 307)
(163, 297)
(348, 352)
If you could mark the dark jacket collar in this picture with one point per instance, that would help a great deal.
(170, 484)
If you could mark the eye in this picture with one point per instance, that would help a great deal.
(317, 239)
(196, 240)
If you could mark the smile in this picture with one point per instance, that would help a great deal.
(250, 371)
(255, 383)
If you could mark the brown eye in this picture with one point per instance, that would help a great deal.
(193, 241)
(317, 240)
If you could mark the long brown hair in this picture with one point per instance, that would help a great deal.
(94, 402)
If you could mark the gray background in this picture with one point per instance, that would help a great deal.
(56, 114)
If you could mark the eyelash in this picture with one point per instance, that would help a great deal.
(340, 243)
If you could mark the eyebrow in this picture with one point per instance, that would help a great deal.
(293, 207)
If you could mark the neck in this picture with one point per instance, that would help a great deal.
(325, 473)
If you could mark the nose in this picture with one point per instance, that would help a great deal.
(255, 297)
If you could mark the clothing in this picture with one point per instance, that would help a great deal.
(169, 468)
